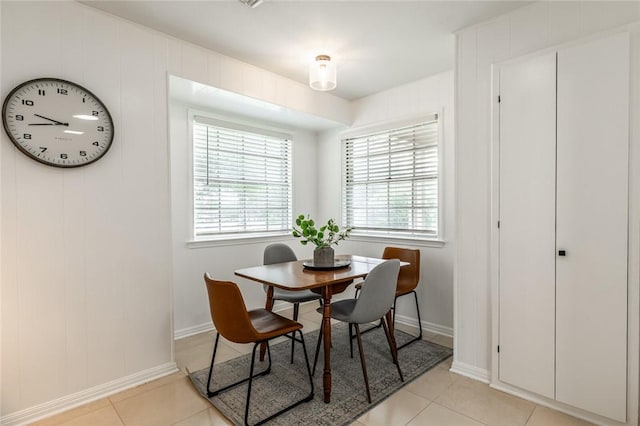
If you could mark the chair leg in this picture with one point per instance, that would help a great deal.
(253, 359)
(362, 362)
(306, 360)
(213, 393)
(394, 350)
(351, 339)
(296, 310)
(315, 358)
(419, 337)
(307, 398)
(213, 358)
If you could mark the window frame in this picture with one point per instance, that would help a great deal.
(239, 238)
(395, 237)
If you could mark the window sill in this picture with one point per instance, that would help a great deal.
(400, 240)
(237, 240)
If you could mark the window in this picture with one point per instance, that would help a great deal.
(241, 180)
(391, 181)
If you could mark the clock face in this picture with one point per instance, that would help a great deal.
(57, 122)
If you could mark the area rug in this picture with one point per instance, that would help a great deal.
(288, 382)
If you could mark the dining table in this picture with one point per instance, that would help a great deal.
(326, 281)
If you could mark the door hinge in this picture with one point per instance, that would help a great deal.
(499, 100)
(498, 348)
(498, 224)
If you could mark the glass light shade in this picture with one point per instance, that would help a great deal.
(322, 74)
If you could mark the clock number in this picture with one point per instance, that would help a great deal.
(19, 117)
(95, 113)
(63, 156)
(27, 102)
(100, 129)
(84, 100)
(83, 153)
(27, 136)
(63, 91)
(96, 143)
(43, 149)
(41, 92)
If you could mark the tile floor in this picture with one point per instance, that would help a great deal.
(438, 398)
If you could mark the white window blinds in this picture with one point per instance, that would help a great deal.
(391, 181)
(241, 179)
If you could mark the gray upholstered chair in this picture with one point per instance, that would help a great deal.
(279, 253)
(375, 301)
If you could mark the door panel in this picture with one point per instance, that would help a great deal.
(592, 194)
(527, 224)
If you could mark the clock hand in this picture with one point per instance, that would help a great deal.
(57, 123)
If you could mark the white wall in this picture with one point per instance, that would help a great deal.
(87, 253)
(523, 31)
(191, 305)
(433, 94)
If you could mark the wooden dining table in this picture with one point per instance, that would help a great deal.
(327, 282)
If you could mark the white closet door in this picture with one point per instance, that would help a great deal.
(592, 194)
(527, 224)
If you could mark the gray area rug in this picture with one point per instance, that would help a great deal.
(288, 382)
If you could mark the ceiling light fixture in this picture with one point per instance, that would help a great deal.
(322, 73)
(251, 3)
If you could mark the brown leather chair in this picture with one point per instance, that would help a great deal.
(408, 280)
(232, 320)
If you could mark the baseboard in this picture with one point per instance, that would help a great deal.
(426, 326)
(68, 402)
(555, 405)
(471, 371)
(190, 331)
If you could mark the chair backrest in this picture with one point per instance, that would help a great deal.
(278, 253)
(228, 311)
(378, 292)
(410, 274)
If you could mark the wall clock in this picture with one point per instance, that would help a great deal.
(57, 122)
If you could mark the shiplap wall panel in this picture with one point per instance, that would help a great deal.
(86, 253)
(74, 193)
(470, 348)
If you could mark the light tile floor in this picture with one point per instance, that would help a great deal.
(437, 398)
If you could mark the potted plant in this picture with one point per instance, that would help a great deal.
(323, 238)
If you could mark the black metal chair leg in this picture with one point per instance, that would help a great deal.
(351, 339)
(213, 358)
(295, 404)
(211, 393)
(253, 360)
(296, 309)
(362, 362)
(315, 358)
(419, 337)
(304, 349)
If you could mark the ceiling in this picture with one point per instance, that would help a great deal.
(376, 45)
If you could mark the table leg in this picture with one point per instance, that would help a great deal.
(326, 321)
(268, 306)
